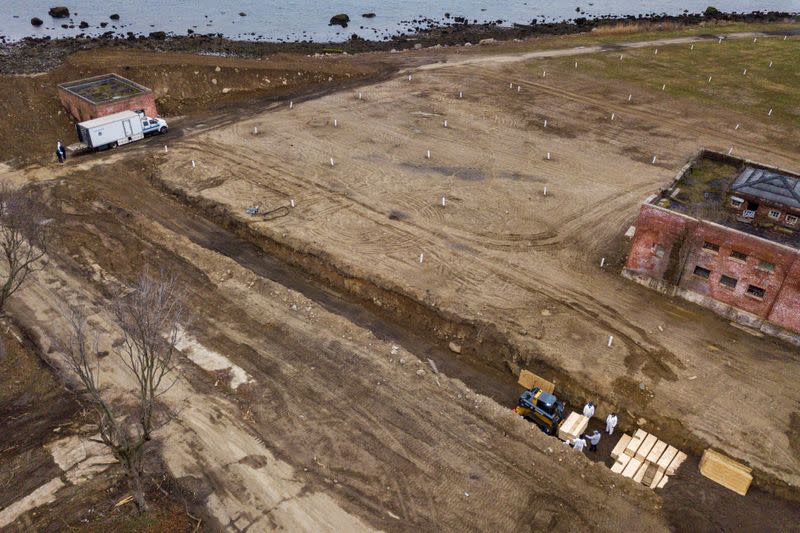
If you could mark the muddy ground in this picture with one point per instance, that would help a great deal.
(329, 318)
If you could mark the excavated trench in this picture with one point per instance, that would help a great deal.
(488, 357)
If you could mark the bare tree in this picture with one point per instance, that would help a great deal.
(24, 235)
(149, 316)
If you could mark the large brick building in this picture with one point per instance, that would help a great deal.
(694, 240)
(105, 95)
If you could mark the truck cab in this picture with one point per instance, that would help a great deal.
(541, 408)
(151, 126)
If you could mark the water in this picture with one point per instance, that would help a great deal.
(290, 20)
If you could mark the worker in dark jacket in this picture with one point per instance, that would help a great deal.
(594, 440)
(60, 152)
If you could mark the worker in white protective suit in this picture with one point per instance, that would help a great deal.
(588, 410)
(611, 423)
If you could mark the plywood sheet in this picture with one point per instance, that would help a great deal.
(655, 453)
(647, 445)
(620, 447)
(725, 471)
(530, 380)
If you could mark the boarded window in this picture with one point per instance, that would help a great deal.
(757, 292)
(701, 272)
(766, 265)
(711, 247)
(774, 213)
(739, 256)
(791, 220)
(728, 281)
(736, 202)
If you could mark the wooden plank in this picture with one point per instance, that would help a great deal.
(621, 463)
(655, 453)
(667, 457)
(635, 442)
(647, 445)
(649, 474)
(639, 475)
(656, 479)
(620, 447)
(632, 467)
(678, 461)
(530, 380)
(725, 471)
(662, 482)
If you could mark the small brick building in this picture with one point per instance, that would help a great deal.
(104, 95)
(747, 273)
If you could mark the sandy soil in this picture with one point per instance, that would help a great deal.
(501, 252)
(312, 404)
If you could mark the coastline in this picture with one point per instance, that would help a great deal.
(31, 55)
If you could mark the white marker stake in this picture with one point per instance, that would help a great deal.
(291, 202)
(770, 113)
(737, 127)
(331, 161)
(545, 123)
(193, 165)
(165, 149)
(629, 97)
(663, 86)
(576, 64)
(709, 79)
(359, 96)
(744, 72)
(544, 74)
(461, 94)
(510, 85)
(612, 116)
(445, 123)
(409, 77)
(720, 40)
(291, 104)
(656, 52)
(730, 150)
(654, 161)
(691, 47)
(602, 262)
(444, 201)
(784, 37)
(610, 340)
(519, 88)
(770, 64)
(620, 57)
(428, 154)
(545, 190)
(421, 257)
(548, 156)
(335, 123)
(755, 39)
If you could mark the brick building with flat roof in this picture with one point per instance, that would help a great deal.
(705, 239)
(104, 95)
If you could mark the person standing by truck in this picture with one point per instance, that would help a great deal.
(60, 153)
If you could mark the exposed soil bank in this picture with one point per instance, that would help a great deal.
(481, 341)
(40, 54)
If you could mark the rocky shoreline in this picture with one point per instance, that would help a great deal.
(40, 54)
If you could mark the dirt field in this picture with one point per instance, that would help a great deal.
(307, 398)
(503, 255)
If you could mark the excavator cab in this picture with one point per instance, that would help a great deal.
(541, 408)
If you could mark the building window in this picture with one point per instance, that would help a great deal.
(774, 213)
(738, 256)
(728, 281)
(791, 220)
(756, 292)
(766, 265)
(736, 202)
(711, 247)
(701, 272)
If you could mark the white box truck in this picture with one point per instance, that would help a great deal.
(117, 129)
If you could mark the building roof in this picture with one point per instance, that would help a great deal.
(104, 88)
(768, 185)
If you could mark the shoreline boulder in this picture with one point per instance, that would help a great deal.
(339, 20)
(114, 17)
(59, 12)
(36, 21)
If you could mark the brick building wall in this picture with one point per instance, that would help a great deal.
(702, 259)
(83, 110)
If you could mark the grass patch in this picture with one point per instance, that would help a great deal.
(685, 73)
(706, 176)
